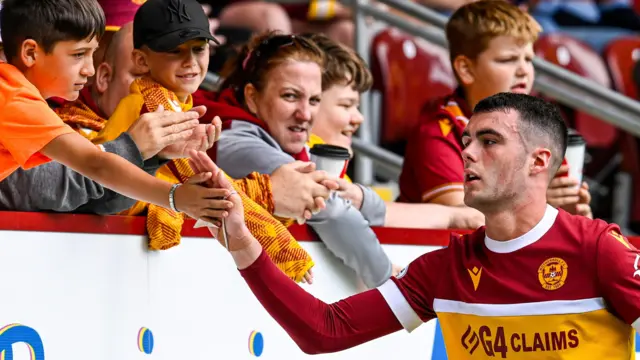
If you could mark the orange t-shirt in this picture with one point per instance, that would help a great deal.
(27, 124)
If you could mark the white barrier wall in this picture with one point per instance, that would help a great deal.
(68, 295)
(87, 296)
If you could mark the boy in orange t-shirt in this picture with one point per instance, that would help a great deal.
(49, 47)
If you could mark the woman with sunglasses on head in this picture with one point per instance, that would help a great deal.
(267, 103)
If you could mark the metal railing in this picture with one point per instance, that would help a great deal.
(551, 80)
(211, 82)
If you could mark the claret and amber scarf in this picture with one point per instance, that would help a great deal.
(164, 225)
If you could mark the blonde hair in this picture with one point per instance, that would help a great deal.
(474, 25)
(261, 55)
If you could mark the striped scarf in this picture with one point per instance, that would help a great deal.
(164, 225)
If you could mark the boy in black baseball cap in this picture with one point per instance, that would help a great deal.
(171, 47)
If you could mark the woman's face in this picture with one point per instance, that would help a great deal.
(339, 117)
(288, 103)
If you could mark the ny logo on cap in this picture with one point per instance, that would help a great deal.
(178, 9)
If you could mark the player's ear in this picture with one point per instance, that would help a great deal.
(541, 161)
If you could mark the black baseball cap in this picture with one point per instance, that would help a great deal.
(163, 25)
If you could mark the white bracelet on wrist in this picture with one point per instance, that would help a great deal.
(172, 194)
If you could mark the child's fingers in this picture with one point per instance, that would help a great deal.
(217, 123)
(211, 136)
(199, 178)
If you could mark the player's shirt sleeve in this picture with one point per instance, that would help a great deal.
(618, 271)
(410, 294)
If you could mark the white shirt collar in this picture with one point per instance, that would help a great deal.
(528, 238)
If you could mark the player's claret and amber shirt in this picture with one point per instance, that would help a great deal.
(567, 289)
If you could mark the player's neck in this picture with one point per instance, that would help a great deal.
(516, 221)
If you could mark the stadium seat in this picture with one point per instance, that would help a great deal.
(407, 73)
(621, 55)
(579, 58)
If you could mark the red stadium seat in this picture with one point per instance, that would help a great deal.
(407, 72)
(579, 58)
(621, 55)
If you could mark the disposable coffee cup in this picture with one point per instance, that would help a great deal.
(574, 157)
(330, 158)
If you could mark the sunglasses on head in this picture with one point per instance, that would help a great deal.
(271, 45)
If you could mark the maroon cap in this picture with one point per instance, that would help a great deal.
(119, 12)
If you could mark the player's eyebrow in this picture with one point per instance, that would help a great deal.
(482, 132)
(492, 132)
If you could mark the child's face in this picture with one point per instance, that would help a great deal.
(65, 70)
(505, 66)
(181, 70)
(338, 117)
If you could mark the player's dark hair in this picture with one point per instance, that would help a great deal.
(541, 118)
(48, 22)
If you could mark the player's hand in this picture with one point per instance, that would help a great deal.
(238, 236)
(203, 203)
(308, 277)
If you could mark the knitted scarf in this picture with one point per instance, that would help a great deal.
(164, 225)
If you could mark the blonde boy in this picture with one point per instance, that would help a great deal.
(491, 51)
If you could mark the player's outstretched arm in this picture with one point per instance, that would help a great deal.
(315, 326)
(116, 173)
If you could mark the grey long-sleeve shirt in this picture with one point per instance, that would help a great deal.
(345, 230)
(55, 187)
